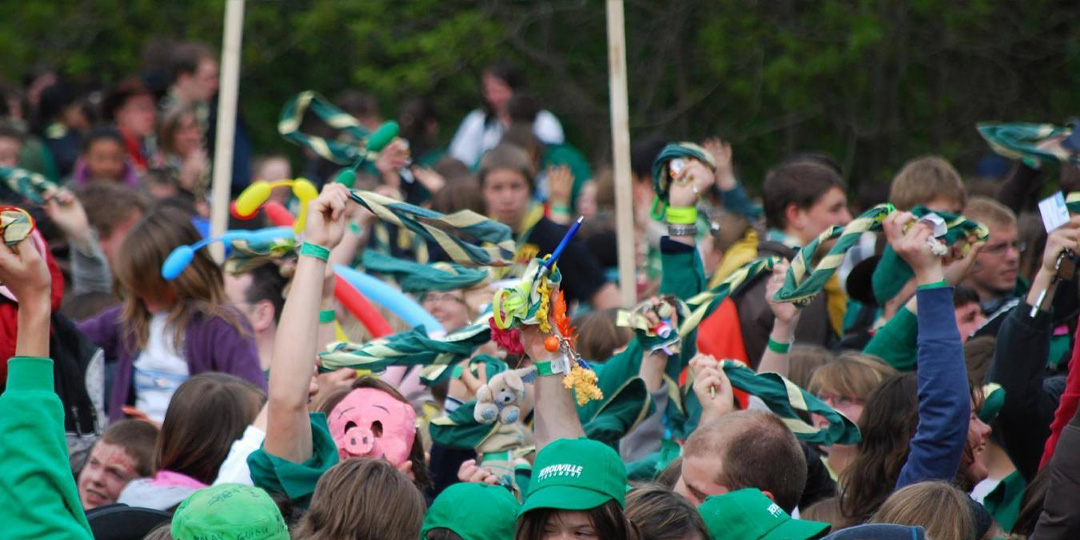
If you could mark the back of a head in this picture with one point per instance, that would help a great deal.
(927, 179)
(989, 212)
(643, 154)
(599, 335)
(521, 135)
(206, 414)
(799, 182)
(660, 514)
(938, 507)
(978, 354)
(186, 56)
(363, 498)
(757, 450)
(138, 439)
(108, 205)
(850, 374)
(805, 360)
(887, 425)
(267, 283)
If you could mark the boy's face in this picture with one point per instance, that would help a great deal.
(9, 151)
(105, 160)
(998, 264)
(506, 195)
(106, 473)
(829, 210)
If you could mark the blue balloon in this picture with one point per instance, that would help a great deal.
(176, 262)
(381, 293)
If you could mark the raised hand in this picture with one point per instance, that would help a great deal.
(912, 245)
(689, 184)
(560, 185)
(722, 154)
(326, 216)
(785, 312)
(712, 388)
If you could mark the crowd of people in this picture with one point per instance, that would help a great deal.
(800, 365)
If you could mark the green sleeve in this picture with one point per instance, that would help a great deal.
(37, 490)
(297, 480)
(682, 273)
(895, 342)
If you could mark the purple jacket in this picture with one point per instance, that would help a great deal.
(209, 345)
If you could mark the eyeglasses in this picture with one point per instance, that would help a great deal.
(998, 249)
(433, 298)
(840, 401)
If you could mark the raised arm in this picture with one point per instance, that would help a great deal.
(554, 414)
(785, 319)
(944, 400)
(288, 430)
(37, 491)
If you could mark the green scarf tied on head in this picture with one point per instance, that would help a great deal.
(414, 277)
(17, 184)
(661, 173)
(410, 348)
(1024, 141)
(892, 273)
(467, 237)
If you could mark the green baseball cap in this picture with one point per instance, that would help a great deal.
(747, 514)
(575, 474)
(229, 512)
(473, 511)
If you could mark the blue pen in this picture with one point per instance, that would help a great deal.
(546, 266)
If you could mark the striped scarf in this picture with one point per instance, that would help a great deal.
(1024, 141)
(349, 152)
(414, 277)
(17, 184)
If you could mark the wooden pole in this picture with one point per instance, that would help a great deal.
(620, 138)
(226, 123)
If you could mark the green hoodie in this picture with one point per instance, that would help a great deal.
(37, 490)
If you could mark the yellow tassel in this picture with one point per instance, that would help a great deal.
(544, 288)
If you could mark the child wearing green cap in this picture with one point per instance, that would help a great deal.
(471, 511)
(229, 512)
(747, 514)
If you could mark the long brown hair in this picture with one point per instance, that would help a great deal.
(198, 291)
(206, 414)
(660, 514)
(941, 509)
(363, 498)
(888, 423)
(416, 454)
(607, 519)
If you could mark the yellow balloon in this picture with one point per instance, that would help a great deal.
(252, 198)
(304, 190)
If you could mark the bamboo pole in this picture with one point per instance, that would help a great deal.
(226, 123)
(620, 138)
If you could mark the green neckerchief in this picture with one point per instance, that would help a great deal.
(489, 242)
(662, 175)
(1021, 141)
(17, 184)
(352, 151)
(804, 279)
(414, 277)
(776, 235)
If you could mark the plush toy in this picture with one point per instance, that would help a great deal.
(502, 396)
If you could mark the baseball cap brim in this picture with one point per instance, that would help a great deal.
(797, 529)
(561, 497)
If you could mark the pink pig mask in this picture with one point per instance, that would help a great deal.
(372, 423)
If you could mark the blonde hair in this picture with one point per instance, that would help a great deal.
(826, 510)
(989, 212)
(198, 291)
(940, 508)
(924, 179)
(363, 498)
(851, 374)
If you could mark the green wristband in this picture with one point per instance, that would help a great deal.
(543, 369)
(777, 347)
(686, 215)
(327, 316)
(315, 250)
(933, 285)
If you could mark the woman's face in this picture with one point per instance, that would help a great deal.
(568, 525)
(496, 92)
(506, 196)
(975, 452)
(188, 137)
(448, 308)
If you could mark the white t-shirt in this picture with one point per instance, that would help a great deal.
(474, 137)
(160, 369)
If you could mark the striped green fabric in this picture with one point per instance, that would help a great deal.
(246, 256)
(804, 280)
(787, 400)
(15, 225)
(662, 175)
(1072, 202)
(467, 237)
(410, 348)
(349, 151)
(1022, 141)
(414, 277)
(17, 184)
(705, 302)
